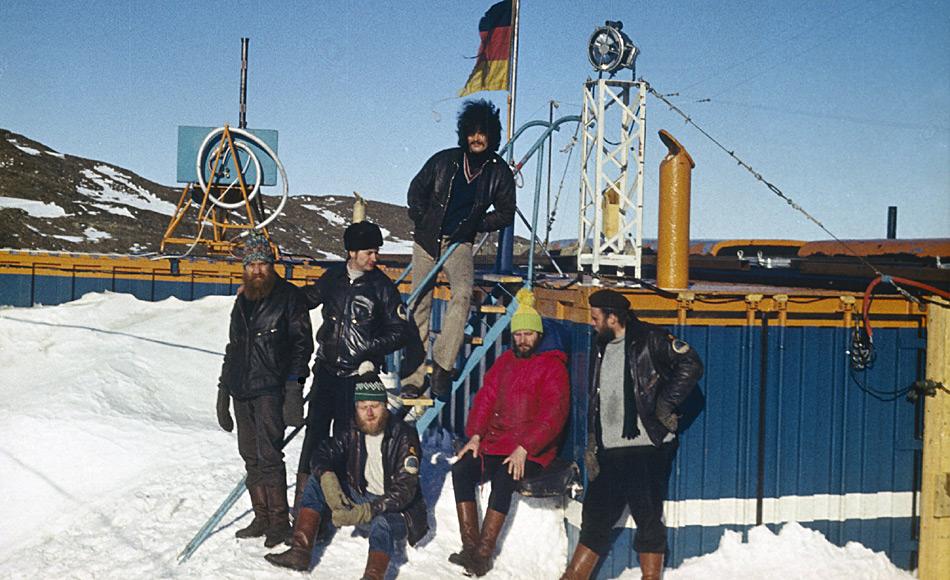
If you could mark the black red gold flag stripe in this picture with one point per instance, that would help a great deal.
(494, 51)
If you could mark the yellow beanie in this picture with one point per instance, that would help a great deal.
(526, 317)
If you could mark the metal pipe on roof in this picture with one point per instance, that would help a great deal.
(672, 254)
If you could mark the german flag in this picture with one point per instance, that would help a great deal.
(491, 64)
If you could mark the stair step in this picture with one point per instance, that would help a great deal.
(474, 340)
(502, 278)
(492, 309)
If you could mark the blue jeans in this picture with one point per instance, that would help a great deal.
(385, 531)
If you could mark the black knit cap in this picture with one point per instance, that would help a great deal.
(609, 299)
(362, 236)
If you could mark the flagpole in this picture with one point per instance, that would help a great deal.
(504, 259)
(513, 73)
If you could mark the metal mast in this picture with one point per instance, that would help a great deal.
(611, 190)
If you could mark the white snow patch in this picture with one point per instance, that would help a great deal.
(73, 239)
(24, 148)
(33, 207)
(134, 196)
(331, 256)
(95, 235)
(795, 552)
(112, 460)
(55, 154)
(333, 218)
(114, 210)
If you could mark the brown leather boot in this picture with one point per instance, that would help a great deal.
(481, 561)
(651, 565)
(302, 479)
(582, 564)
(260, 522)
(301, 546)
(278, 516)
(468, 529)
(376, 564)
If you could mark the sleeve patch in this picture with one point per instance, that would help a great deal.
(411, 465)
(680, 346)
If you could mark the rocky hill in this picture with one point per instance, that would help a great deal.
(55, 201)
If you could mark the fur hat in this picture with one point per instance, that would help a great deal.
(526, 317)
(362, 236)
(369, 388)
(257, 249)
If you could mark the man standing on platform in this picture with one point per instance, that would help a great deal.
(449, 201)
(641, 375)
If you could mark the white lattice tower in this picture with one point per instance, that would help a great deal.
(613, 128)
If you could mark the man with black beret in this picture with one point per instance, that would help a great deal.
(364, 319)
(641, 373)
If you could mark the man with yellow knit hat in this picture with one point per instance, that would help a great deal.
(514, 427)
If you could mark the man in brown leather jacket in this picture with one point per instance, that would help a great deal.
(641, 374)
(368, 476)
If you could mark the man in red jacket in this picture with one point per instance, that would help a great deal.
(514, 427)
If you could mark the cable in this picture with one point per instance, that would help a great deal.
(884, 396)
(772, 187)
(569, 149)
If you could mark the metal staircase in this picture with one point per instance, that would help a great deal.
(494, 312)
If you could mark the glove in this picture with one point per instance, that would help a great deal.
(591, 464)
(333, 493)
(224, 410)
(353, 516)
(666, 416)
(293, 404)
(365, 367)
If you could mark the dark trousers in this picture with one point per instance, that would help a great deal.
(387, 531)
(636, 477)
(470, 471)
(330, 401)
(260, 431)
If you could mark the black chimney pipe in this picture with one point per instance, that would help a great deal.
(892, 222)
(242, 118)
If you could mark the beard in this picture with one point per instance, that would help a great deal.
(527, 352)
(374, 429)
(605, 335)
(258, 288)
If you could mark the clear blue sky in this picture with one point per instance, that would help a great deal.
(844, 105)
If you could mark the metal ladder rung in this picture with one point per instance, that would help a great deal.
(492, 309)
(502, 278)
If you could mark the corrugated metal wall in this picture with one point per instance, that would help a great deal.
(785, 431)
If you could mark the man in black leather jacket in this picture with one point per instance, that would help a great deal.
(641, 375)
(449, 201)
(364, 319)
(368, 476)
(265, 366)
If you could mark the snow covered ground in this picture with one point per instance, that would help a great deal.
(111, 459)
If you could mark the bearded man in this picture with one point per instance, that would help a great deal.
(265, 367)
(368, 476)
(514, 426)
(641, 374)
